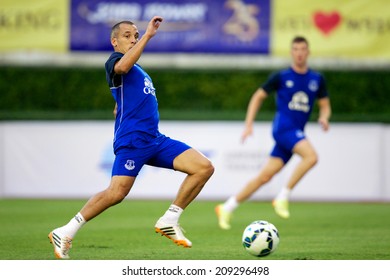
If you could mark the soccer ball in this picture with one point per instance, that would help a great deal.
(260, 238)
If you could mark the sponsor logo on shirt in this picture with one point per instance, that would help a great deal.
(299, 102)
(149, 88)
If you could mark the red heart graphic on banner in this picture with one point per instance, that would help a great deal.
(326, 22)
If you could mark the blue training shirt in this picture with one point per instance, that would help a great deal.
(135, 96)
(295, 97)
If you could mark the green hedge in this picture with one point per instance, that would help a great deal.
(63, 93)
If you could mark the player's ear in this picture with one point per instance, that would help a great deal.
(114, 42)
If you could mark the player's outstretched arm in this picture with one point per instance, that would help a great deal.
(151, 30)
(153, 26)
(132, 55)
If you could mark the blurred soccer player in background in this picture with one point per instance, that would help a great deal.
(137, 141)
(297, 89)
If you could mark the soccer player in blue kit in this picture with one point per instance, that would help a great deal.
(297, 89)
(137, 141)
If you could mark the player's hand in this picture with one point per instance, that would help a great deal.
(248, 131)
(153, 25)
(157, 21)
(324, 123)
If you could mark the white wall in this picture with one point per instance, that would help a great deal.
(73, 160)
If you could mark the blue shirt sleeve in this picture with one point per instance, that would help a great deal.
(322, 91)
(272, 83)
(109, 66)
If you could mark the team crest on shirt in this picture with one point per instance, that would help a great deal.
(130, 164)
(299, 102)
(149, 88)
(313, 85)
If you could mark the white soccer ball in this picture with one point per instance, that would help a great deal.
(260, 238)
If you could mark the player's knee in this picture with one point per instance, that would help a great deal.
(117, 193)
(204, 169)
(207, 169)
(312, 159)
(265, 178)
(116, 197)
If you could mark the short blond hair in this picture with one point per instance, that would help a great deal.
(115, 28)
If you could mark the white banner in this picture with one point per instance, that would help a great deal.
(74, 159)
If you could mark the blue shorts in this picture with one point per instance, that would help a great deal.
(159, 152)
(285, 143)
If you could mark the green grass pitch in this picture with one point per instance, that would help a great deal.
(315, 231)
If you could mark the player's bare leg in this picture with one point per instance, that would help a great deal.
(308, 159)
(224, 211)
(62, 237)
(273, 166)
(119, 188)
(199, 169)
